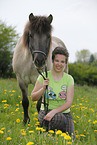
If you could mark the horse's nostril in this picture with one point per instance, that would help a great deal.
(40, 62)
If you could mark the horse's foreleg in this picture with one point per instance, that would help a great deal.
(25, 101)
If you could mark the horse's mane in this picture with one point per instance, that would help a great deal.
(37, 24)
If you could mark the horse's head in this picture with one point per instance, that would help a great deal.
(37, 37)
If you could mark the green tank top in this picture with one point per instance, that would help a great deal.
(57, 90)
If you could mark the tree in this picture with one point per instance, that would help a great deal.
(83, 56)
(8, 39)
(92, 59)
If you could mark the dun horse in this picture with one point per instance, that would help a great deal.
(33, 51)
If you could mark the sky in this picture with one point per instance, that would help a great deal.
(74, 21)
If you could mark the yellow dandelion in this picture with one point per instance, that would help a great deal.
(29, 143)
(37, 123)
(5, 90)
(17, 109)
(13, 90)
(94, 122)
(6, 104)
(59, 132)
(82, 135)
(19, 96)
(12, 113)
(42, 129)
(8, 138)
(77, 116)
(20, 102)
(63, 134)
(17, 104)
(38, 128)
(95, 130)
(1, 131)
(35, 119)
(67, 137)
(89, 120)
(22, 130)
(4, 101)
(35, 102)
(69, 142)
(31, 131)
(51, 131)
(77, 136)
(18, 120)
(23, 133)
(80, 104)
(35, 113)
(74, 121)
(3, 128)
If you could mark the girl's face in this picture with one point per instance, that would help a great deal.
(59, 62)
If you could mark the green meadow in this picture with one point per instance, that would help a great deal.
(13, 132)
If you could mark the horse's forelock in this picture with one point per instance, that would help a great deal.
(40, 24)
(37, 25)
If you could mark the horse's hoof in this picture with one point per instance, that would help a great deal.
(26, 120)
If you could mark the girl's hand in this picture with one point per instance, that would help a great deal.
(45, 83)
(50, 115)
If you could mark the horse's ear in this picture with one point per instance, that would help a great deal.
(50, 18)
(30, 16)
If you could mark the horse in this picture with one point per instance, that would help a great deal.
(33, 50)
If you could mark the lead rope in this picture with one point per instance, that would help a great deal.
(46, 100)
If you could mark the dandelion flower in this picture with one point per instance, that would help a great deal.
(38, 128)
(94, 122)
(1, 131)
(17, 104)
(31, 131)
(63, 134)
(13, 91)
(23, 133)
(29, 143)
(82, 135)
(67, 137)
(4, 101)
(51, 131)
(18, 120)
(42, 129)
(69, 142)
(59, 132)
(8, 138)
(3, 128)
(77, 136)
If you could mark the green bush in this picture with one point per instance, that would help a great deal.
(83, 74)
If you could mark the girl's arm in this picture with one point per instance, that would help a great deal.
(39, 89)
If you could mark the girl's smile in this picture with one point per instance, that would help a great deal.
(59, 62)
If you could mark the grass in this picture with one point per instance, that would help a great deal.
(13, 132)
